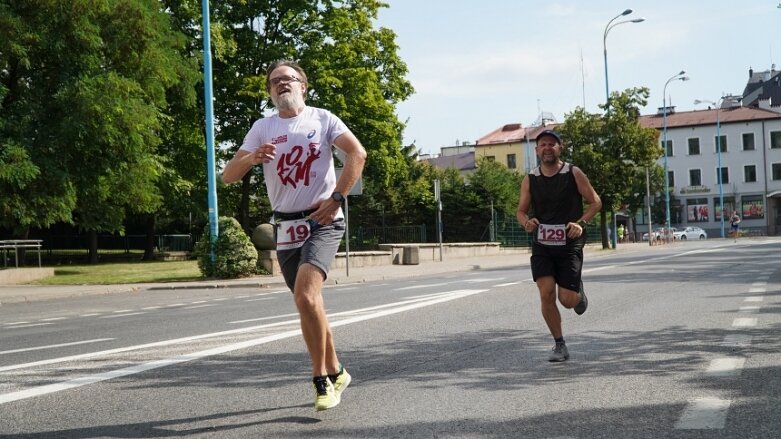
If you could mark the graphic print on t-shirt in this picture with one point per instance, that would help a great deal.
(294, 167)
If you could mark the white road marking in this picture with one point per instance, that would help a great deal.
(96, 378)
(754, 299)
(258, 299)
(122, 311)
(93, 314)
(149, 308)
(727, 366)
(16, 323)
(749, 308)
(28, 325)
(704, 414)
(757, 290)
(53, 319)
(508, 284)
(416, 287)
(37, 348)
(744, 322)
(123, 315)
(198, 301)
(205, 305)
(265, 318)
(759, 284)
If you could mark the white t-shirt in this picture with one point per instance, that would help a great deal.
(302, 174)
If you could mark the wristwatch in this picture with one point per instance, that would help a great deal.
(582, 223)
(337, 196)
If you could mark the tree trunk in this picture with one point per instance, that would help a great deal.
(93, 246)
(149, 244)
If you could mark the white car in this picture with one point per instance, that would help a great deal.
(690, 233)
(658, 233)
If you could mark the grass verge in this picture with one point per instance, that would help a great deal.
(124, 273)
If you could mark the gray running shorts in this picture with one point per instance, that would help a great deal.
(319, 250)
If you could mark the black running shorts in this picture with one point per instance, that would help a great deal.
(564, 263)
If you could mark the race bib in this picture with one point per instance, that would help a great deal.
(292, 234)
(552, 234)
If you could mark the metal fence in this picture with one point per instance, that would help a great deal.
(118, 243)
(370, 237)
(510, 234)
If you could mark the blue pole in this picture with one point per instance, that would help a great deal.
(209, 106)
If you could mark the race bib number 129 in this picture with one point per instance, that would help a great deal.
(552, 234)
(292, 234)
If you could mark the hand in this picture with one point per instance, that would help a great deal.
(574, 230)
(326, 211)
(266, 153)
(531, 224)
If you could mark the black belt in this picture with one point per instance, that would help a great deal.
(287, 216)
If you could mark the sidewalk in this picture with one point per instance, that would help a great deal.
(511, 258)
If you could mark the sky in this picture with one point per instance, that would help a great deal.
(478, 65)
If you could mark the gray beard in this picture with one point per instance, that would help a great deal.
(289, 101)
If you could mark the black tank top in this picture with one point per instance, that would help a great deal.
(555, 200)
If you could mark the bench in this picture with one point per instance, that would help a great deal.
(15, 245)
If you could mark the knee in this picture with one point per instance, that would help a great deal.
(568, 298)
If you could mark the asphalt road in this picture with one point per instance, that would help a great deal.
(681, 342)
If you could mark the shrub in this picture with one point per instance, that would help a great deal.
(234, 254)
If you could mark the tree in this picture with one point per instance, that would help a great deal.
(87, 82)
(610, 147)
(353, 70)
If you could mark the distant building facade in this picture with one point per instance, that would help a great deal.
(750, 141)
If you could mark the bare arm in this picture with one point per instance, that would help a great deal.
(353, 167)
(529, 224)
(243, 161)
(588, 193)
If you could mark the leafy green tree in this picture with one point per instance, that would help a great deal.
(85, 88)
(353, 70)
(610, 148)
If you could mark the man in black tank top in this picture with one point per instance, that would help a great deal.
(551, 209)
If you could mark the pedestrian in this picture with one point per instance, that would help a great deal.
(734, 220)
(294, 147)
(621, 231)
(551, 207)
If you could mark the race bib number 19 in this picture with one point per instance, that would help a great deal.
(292, 234)
(552, 234)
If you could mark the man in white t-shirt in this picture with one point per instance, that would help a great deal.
(294, 147)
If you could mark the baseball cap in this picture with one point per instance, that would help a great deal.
(549, 133)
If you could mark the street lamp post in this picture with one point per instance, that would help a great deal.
(719, 176)
(677, 76)
(610, 25)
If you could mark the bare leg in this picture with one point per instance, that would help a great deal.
(550, 310)
(314, 323)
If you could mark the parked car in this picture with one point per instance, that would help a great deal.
(659, 234)
(690, 233)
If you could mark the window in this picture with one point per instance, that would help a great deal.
(720, 141)
(775, 139)
(752, 206)
(671, 178)
(748, 141)
(729, 206)
(724, 175)
(511, 161)
(697, 210)
(695, 177)
(694, 146)
(669, 147)
(776, 171)
(750, 173)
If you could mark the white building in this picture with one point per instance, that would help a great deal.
(750, 140)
